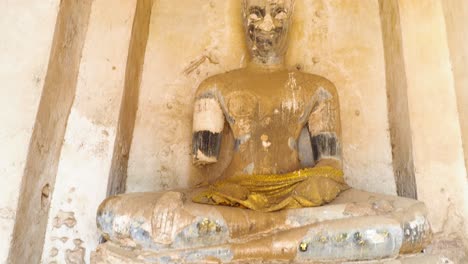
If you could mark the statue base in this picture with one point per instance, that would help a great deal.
(169, 228)
(110, 253)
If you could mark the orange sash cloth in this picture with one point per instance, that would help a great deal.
(303, 188)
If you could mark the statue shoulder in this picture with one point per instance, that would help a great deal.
(315, 82)
(216, 84)
(208, 86)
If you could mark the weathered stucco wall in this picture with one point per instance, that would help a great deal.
(342, 41)
(46, 141)
(27, 28)
(337, 39)
(397, 91)
(456, 22)
(440, 170)
(133, 74)
(88, 146)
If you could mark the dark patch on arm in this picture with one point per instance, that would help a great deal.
(237, 144)
(207, 142)
(325, 145)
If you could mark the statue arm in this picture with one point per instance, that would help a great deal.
(208, 124)
(325, 128)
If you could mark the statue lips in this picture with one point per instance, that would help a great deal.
(266, 39)
(265, 44)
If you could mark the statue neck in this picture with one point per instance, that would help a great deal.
(266, 64)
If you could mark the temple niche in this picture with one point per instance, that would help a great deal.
(106, 107)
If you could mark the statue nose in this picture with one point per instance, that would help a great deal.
(267, 24)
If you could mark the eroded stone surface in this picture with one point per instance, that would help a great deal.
(110, 254)
(356, 226)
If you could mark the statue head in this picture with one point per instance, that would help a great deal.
(266, 25)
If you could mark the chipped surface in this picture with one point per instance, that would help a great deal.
(389, 225)
(64, 218)
(76, 255)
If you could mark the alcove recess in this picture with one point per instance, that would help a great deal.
(107, 91)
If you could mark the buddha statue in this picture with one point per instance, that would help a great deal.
(266, 206)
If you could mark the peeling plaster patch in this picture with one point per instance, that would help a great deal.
(249, 168)
(7, 213)
(241, 140)
(86, 151)
(208, 116)
(203, 159)
(317, 100)
(75, 256)
(86, 137)
(77, 242)
(53, 252)
(62, 239)
(292, 143)
(265, 142)
(292, 104)
(121, 225)
(323, 94)
(416, 230)
(64, 218)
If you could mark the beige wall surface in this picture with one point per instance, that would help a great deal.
(27, 28)
(440, 170)
(456, 21)
(342, 41)
(337, 39)
(85, 160)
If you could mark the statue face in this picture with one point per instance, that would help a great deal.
(266, 23)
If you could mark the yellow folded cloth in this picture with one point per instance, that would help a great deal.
(303, 188)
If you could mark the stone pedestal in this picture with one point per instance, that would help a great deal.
(112, 254)
(169, 228)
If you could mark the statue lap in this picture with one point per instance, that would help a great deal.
(170, 228)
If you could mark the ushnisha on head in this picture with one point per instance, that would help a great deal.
(266, 24)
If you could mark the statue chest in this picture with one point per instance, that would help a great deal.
(279, 110)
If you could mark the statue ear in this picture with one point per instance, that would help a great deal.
(244, 8)
(290, 6)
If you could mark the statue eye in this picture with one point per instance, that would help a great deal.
(255, 13)
(254, 16)
(280, 14)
